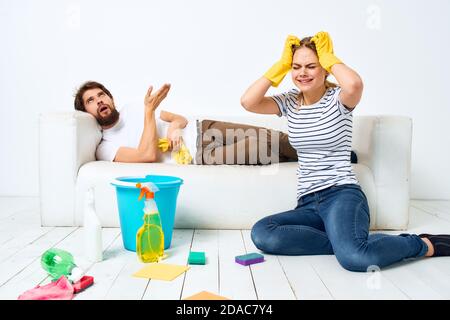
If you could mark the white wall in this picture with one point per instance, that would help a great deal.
(211, 51)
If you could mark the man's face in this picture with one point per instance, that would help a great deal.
(101, 106)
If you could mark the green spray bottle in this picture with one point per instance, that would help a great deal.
(150, 237)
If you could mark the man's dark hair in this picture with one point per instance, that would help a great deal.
(78, 103)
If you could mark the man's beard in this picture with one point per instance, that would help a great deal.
(109, 119)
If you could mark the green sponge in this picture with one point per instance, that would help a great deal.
(197, 258)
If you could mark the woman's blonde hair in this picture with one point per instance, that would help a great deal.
(306, 42)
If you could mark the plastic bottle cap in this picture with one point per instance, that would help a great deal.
(145, 191)
(76, 274)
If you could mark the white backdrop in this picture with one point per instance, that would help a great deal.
(210, 51)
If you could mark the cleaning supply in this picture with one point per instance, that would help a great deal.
(92, 230)
(83, 283)
(150, 237)
(196, 257)
(61, 289)
(181, 156)
(324, 47)
(163, 144)
(130, 210)
(250, 258)
(279, 70)
(58, 262)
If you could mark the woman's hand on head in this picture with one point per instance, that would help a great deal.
(278, 71)
(325, 50)
(323, 42)
(291, 41)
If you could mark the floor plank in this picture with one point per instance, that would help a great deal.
(344, 284)
(303, 278)
(269, 278)
(438, 208)
(105, 273)
(177, 254)
(236, 281)
(411, 276)
(407, 280)
(24, 280)
(20, 239)
(22, 258)
(434, 273)
(17, 224)
(75, 244)
(11, 206)
(34, 274)
(125, 286)
(203, 277)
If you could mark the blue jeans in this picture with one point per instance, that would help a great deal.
(335, 221)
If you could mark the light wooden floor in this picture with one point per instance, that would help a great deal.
(22, 241)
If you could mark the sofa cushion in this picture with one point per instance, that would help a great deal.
(250, 192)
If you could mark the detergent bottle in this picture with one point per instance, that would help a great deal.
(150, 237)
(58, 262)
(92, 230)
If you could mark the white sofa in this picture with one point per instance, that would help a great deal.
(219, 196)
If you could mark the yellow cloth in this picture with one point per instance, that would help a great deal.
(324, 47)
(161, 271)
(181, 156)
(279, 70)
(205, 295)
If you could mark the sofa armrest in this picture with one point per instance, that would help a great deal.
(383, 143)
(67, 140)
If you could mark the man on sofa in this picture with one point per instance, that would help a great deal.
(136, 134)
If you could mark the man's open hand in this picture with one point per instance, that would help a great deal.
(152, 101)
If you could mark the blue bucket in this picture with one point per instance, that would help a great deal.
(131, 209)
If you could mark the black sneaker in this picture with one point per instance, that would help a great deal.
(440, 242)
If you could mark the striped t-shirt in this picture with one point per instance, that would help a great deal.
(322, 135)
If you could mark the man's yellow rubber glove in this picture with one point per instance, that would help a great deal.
(181, 156)
(163, 144)
(324, 47)
(279, 70)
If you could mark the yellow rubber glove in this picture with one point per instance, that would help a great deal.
(324, 47)
(163, 144)
(279, 70)
(182, 155)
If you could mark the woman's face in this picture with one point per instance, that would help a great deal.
(307, 74)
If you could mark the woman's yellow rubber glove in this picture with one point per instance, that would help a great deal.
(324, 47)
(181, 156)
(279, 70)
